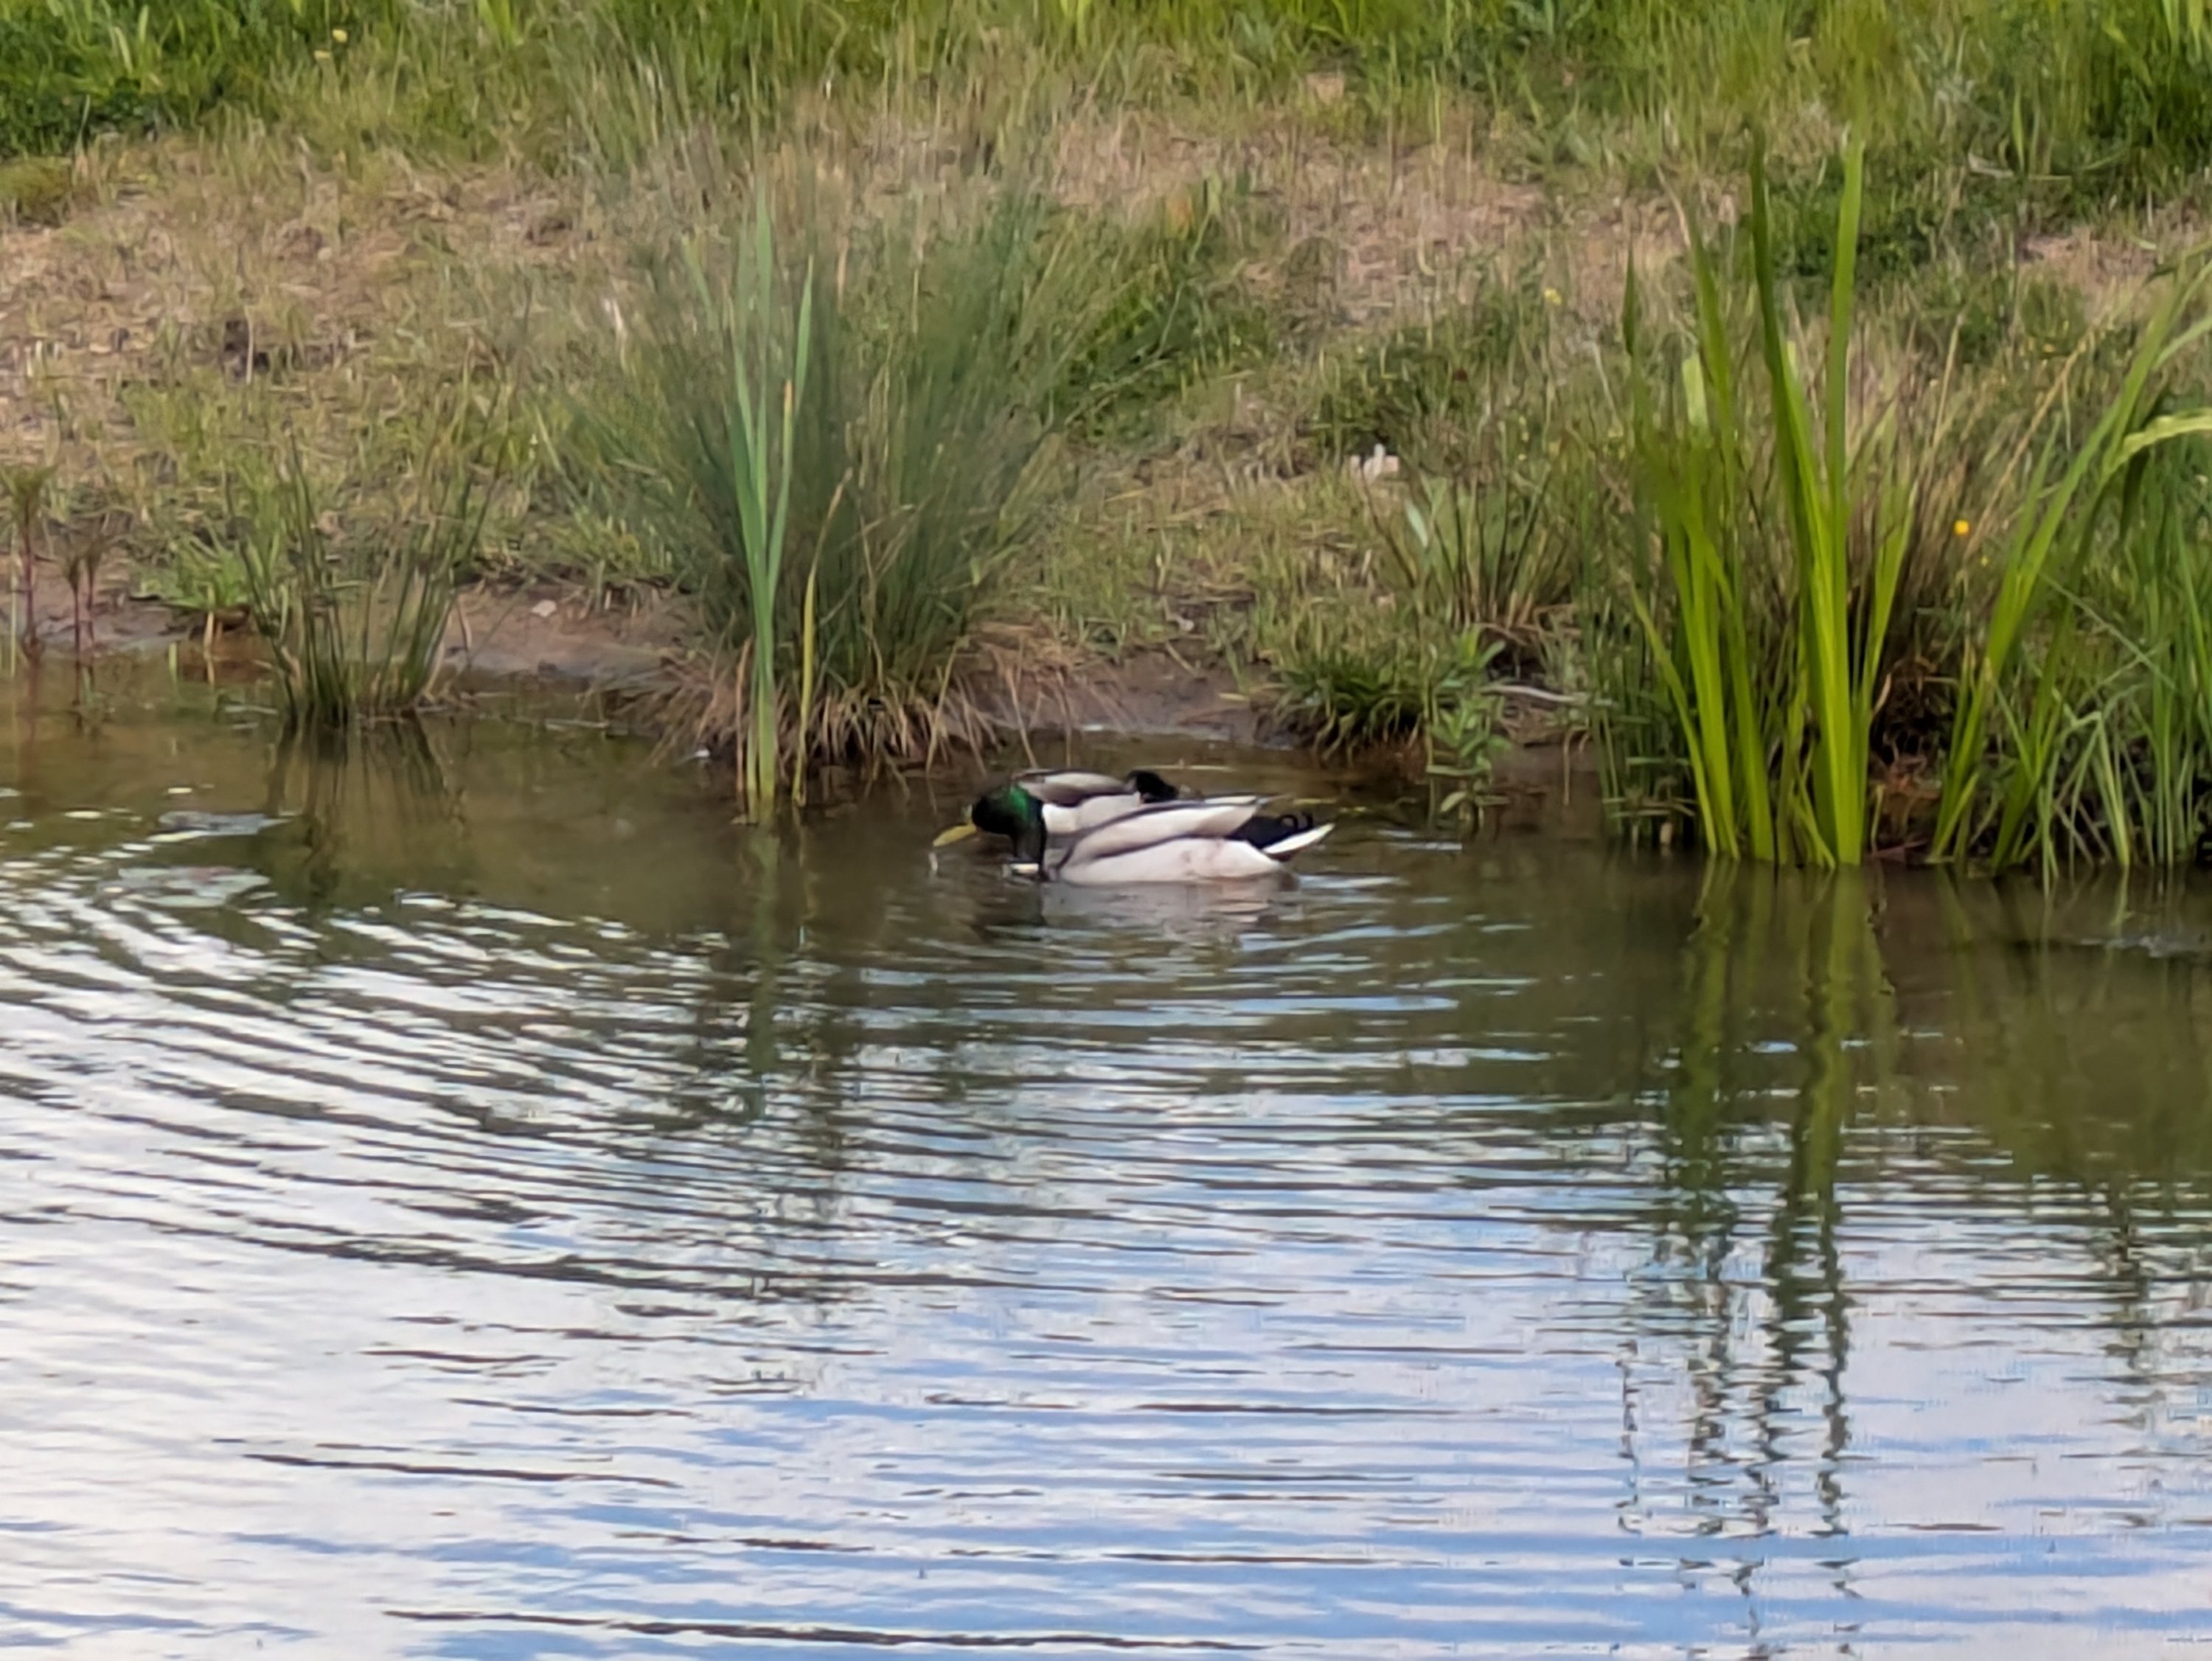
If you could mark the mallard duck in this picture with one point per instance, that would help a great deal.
(1072, 801)
(1216, 841)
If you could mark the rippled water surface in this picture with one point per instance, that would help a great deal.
(470, 1199)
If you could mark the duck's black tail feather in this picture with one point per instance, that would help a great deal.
(1281, 834)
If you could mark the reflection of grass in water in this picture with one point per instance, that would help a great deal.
(378, 793)
(1755, 930)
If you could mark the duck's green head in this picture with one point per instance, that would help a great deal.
(1009, 812)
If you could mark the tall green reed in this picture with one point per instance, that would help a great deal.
(1842, 633)
(1771, 671)
(1693, 465)
(739, 459)
(2162, 606)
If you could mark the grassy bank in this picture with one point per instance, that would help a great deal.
(1362, 348)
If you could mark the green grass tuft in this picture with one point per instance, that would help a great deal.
(930, 351)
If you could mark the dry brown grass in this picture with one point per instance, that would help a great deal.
(212, 296)
(219, 264)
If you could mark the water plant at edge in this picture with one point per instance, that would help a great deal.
(355, 624)
(27, 502)
(740, 465)
(1464, 728)
(2053, 534)
(1775, 729)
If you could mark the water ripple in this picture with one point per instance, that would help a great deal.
(846, 1255)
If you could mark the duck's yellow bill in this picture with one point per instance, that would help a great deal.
(959, 832)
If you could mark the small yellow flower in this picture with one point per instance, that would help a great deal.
(338, 35)
(1552, 297)
(1960, 528)
(321, 56)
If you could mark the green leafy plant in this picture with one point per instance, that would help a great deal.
(1465, 728)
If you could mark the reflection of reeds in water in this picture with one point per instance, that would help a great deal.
(361, 803)
(773, 1058)
(1753, 1337)
(2085, 1015)
(2067, 1035)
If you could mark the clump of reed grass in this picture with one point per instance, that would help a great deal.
(1786, 531)
(355, 618)
(837, 441)
(2015, 725)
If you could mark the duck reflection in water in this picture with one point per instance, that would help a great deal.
(1187, 911)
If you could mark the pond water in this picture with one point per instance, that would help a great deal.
(468, 1198)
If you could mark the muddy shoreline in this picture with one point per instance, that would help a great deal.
(506, 638)
(504, 633)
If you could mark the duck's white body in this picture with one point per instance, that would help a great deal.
(1075, 802)
(1178, 842)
